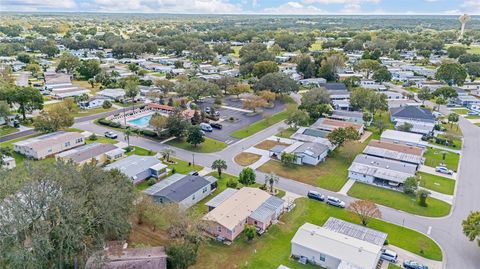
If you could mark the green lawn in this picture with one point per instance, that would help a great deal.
(18, 157)
(182, 166)
(436, 183)
(210, 145)
(89, 112)
(399, 200)
(460, 111)
(142, 186)
(473, 117)
(393, 266)
(331, 174)
(5, 130)
(273, 248)
(140, 151)
(385, 117)
(103, 140)
(457, 143)
(259, 125)
(286, 133)
(433, 158)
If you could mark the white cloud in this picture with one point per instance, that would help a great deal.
(168, 6)
(340, 1)
(471, 6)
(33, 5)
(296, 8)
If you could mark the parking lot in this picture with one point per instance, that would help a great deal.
(234, 109)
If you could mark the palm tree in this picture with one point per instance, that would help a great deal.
(271, 179)
(127, 133)
(219, 165)
(166, 153)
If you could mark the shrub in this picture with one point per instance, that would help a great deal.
(128, 149)
(103, 121)
(93, 137)
(107, 104)
(148, 133)
(151, 181)
(232, 183)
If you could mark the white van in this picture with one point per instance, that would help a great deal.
(206, 127)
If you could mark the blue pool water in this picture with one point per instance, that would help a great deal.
(141, 122)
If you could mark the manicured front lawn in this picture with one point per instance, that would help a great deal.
(5, 130)
(269, 144)
(246, 158)
(102, 140)
(437, 183)
(433, 158)
(273, 248)
(259, 125)
(393, 266)
(460, 111)
(399, 200)
(286, 133)
(140, 151)
(182, 166)
(210, 145)
(331, 174)
(89, 112)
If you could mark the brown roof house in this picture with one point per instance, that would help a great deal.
(40, 147)
(117, 256)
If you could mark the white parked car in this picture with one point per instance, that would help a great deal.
(388, 255)
(443, 170)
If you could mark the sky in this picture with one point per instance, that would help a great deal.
(288, 7)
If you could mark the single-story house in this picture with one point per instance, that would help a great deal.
(405, 138)
(312, 81)
(421, 119)
(185, 190)
(371, 169)
(372, 84)
(305, 134)
(467, 100)
(46, 145)
(94, 102)
(234, 208)
(114, 94)
(8, 162)
(101, 153)
(57, 80)
(326, 124)
(350, 116)
(397, 152)
(338, 244)
(311, 153)
(139, 168)
(68, 91)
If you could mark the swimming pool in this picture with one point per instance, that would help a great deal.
(141, 122)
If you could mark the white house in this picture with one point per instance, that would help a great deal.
(8, 162)
(46, 145)
(399, 137)
(372, 84)
(311, 153)
(338, 244)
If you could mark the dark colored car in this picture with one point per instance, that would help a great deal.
(216, 125)
(413, 265)
(193, 173)
(315, 195)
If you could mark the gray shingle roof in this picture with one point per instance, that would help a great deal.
(412, 112)
(311, 149)
(180, 189)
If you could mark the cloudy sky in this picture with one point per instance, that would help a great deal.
(250, 6)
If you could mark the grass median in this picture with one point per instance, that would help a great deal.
(399, 200)
(260, 125)
(210, 145)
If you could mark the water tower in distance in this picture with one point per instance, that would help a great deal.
(463, 20)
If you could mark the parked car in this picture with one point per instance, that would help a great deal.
(111, 135)
(472, 113)
(208, 109)
(216, 114)
(389, 256)
(413, 265)
(443, 170)
(335, 202)
(206, 127)
(193, 173)
(315, 195)
(216, 125)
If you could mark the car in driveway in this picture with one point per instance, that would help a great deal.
(216, 125)
(316, 196)
(388, 255)
(111, 135)
(335, 202)
(443, 170)
(193, 173)
(413, 265)
(208, 109)
(206, 127)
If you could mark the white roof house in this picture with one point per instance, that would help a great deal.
(332, 248)
(399, 137)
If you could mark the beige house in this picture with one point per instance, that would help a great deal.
(46, 145)
(101, 153)
(232, 209)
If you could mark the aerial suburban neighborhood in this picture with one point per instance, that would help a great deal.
(240, 134)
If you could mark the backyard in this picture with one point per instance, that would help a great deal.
(259, 125)
(399, 200)
(210, 145)
(437, 183)
(331, 174)
(273, 248)
(434, 157)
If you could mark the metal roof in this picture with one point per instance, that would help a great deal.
(311, 149)
(221, 197)
(382, 168)
(391, 154)
(267, 209)
(133, 165)
(354, 230)
(87, 152)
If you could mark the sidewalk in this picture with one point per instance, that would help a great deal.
(347, 187)
(264, 153)
(440, 196)
(237, 109)
(444, 148)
